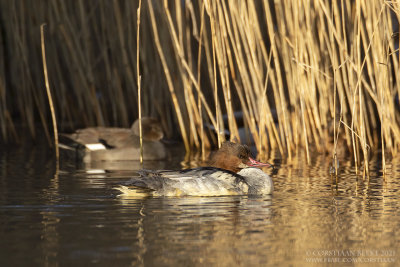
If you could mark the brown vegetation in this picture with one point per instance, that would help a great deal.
(304, 73)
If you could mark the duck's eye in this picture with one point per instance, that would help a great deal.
(241, 156)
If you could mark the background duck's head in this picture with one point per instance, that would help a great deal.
(151, 127)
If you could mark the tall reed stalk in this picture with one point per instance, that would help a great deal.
(139, 80)
(48, 91)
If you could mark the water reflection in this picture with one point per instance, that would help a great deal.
(73, 216)
(199, 227)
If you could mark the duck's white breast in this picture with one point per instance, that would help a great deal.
(259, 182)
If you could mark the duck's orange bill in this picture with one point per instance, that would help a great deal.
(254, 163)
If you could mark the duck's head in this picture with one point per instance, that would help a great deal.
(151, 128)
(235, 157)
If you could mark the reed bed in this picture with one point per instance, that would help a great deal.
(306, 75)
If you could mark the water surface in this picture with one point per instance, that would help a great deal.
(71, 217)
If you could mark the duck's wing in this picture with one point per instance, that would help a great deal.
(196, 174)
(155, 180)
(199, 181)
(152, 181)
(84, 136)
(119, 138)
(216, 173)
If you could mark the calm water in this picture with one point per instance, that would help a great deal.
(74, 218)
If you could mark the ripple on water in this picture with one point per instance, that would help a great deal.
(74, 217)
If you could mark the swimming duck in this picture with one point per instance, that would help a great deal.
(231, 172)
(117, 144)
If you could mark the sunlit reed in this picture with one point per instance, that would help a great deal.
(48, 91)
(139, 80)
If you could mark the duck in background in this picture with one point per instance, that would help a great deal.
(231, 172)
(116, 144)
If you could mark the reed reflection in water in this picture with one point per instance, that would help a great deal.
(75, 217)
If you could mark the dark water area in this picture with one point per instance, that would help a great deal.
(73, 217)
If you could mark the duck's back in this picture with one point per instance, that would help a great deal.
(195, 182)
(112, 136)
(116, 144)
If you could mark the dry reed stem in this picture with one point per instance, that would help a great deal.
(46, 78)
(169, 79)
(179, 50)
(199, 107)
(139, 81)
(3, 110)
(189, 97)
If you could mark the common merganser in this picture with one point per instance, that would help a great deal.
(117, 144)
(231, 172)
